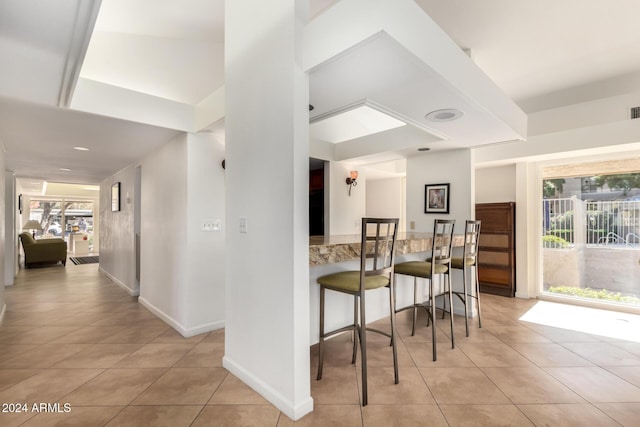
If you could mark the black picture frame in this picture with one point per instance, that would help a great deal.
(115, 197)
(436, 198)
(20, 203)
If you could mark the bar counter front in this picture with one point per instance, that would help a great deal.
(330, 254)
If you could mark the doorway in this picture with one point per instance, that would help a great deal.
(316, 197)
(71, 220)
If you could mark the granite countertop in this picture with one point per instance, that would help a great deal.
(332, 249)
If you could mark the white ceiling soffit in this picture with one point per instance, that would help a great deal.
(48, 41)
(388, 145)
(181, 46)
(353, 122)
(35, 188)
(397, 57)
(156, 62)
(72, 190)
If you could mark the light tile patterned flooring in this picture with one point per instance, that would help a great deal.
(71, 336)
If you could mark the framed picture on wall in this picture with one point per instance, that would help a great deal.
(436, 198)
(20, 203)
(115, 197)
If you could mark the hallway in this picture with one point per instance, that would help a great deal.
(71, 336)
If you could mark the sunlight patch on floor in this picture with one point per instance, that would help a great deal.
(605, 323)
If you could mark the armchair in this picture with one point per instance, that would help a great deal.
(43, 251)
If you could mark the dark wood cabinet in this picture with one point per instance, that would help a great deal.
(497, 249)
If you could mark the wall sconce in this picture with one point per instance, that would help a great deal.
(351, 180)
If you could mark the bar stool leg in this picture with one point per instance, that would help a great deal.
(321, 338)
(433, 317)
(355, 331)
(392, 304)
(363, 350)
(465, 295)
(415, 305)
(453, 339)
(475, 267)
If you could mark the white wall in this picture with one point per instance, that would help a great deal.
(11, 240)
(456, 169)
(345, 212)
(177, 188)
(496, 184)
(3, 237)
(205, 263)
(453, 167)
(385, 198)
(116, 231)
(163, 248)
(583, 114)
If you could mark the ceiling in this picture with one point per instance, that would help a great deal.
(533, 51)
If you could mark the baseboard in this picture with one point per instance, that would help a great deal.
(4, 309)
(291, 410)
(458, 306)
(207, 327)
(129, 290)
(185, 332)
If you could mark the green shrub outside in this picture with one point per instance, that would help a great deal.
(554, 242)
(601, 294)
(566, 235)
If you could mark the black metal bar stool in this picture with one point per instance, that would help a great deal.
(438, 266)
(377, 254)
(469, 260)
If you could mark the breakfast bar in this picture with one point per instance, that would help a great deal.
(329, 254)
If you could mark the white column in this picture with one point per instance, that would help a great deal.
(528, 229)
(267, 156)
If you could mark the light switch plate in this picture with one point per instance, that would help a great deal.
(244, 226)
(211, 225)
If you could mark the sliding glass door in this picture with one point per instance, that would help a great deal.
(591, 238)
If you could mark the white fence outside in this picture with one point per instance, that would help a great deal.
(592, 244)
(604, 223)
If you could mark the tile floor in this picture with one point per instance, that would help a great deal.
(70, 336)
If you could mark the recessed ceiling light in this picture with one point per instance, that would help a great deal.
(81, 148)
(424, 149)
(65, 169)
(445, 115)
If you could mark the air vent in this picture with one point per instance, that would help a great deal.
(634, 112)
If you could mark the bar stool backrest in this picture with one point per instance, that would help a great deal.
(442, 242)
(471, 239)
(378, 247)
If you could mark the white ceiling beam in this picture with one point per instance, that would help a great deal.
(336, 31)
(86, 15)
(112, 101)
